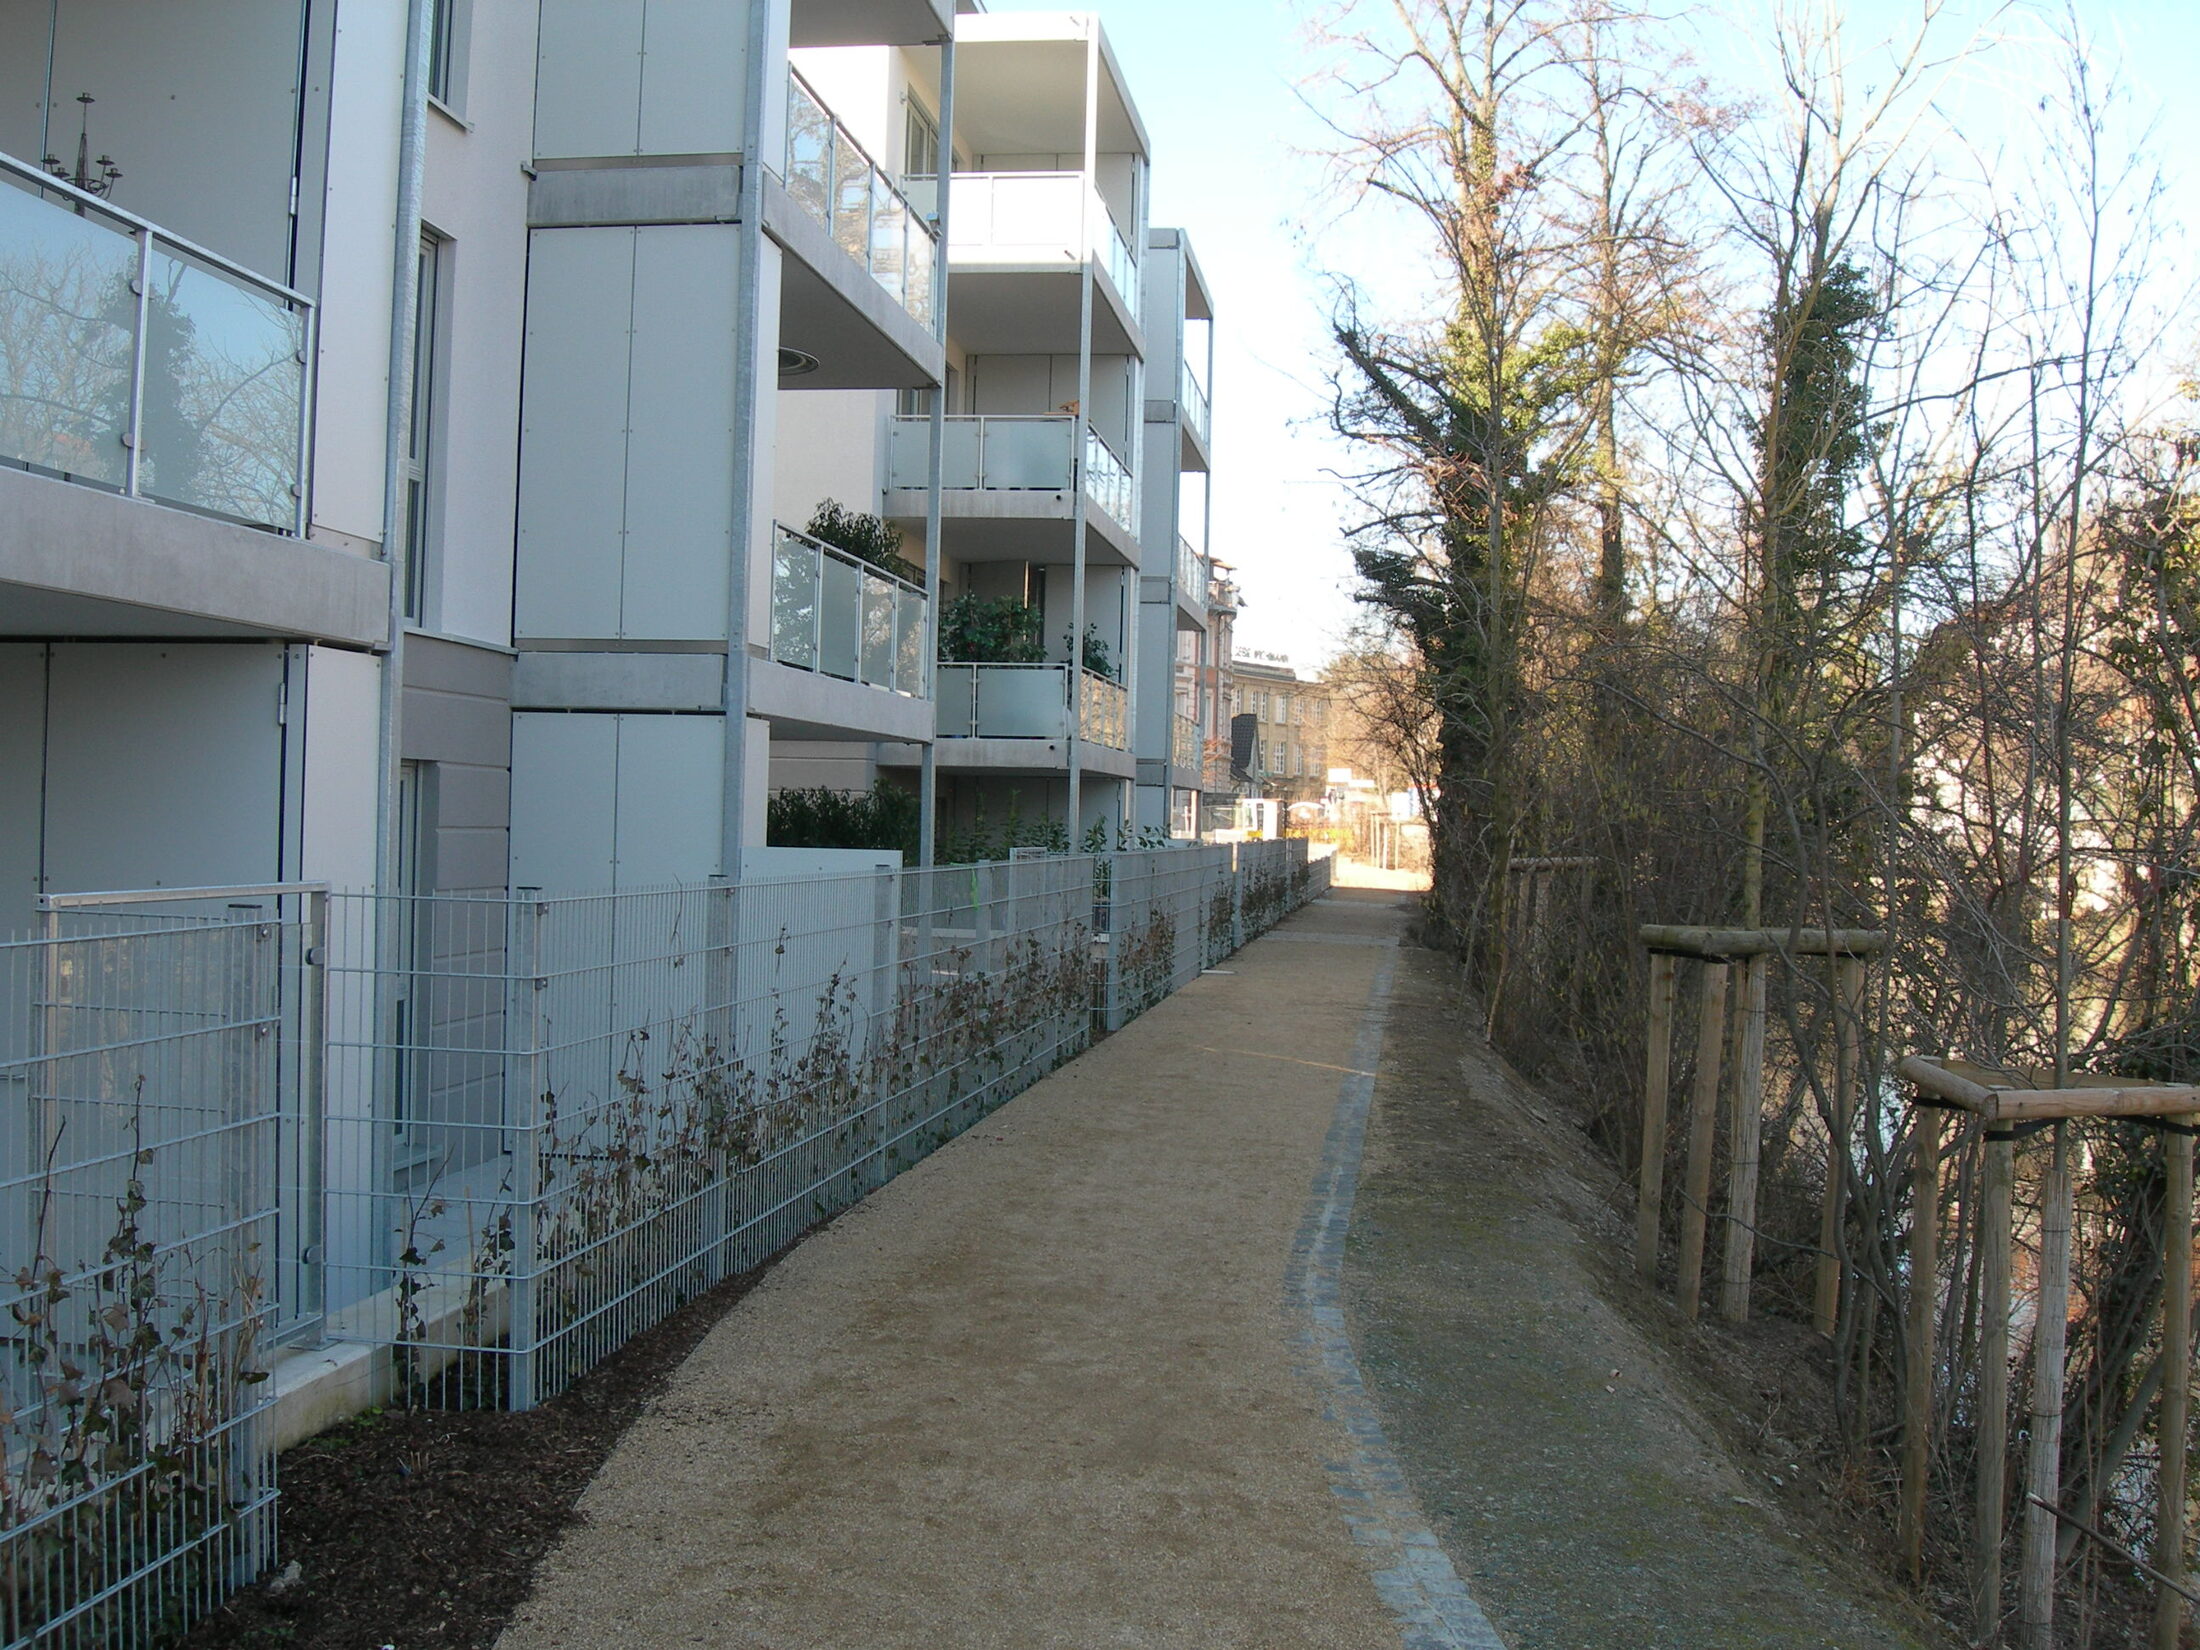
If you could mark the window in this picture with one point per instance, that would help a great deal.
(920, 151)
(446, 43)
(422, 431)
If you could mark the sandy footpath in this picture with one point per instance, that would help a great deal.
(1038, 1392)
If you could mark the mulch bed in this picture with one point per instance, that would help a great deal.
(421, 1528)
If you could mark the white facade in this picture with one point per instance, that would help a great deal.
(542, 383)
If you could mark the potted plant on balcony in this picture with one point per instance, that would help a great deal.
(1097, 658)
(872, 540)
(1002, 631)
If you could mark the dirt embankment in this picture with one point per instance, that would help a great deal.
(1592, 1488)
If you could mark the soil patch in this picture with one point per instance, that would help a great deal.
(422, 1527)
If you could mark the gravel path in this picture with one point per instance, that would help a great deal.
(1044, 1389)
(1152, 1359)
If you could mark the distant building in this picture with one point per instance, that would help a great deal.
(1291, 713)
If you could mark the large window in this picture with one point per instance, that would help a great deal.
(422, 433)
(446, 51)
(920, 154)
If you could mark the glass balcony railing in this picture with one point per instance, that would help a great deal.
(1029, 702)
(1191, 575)
(1192, 396)
(842, 617)
(1110, 483)
(1185, 749)
(834, 180)
(138, 363)
(1104, 717)
(1002, 453)
(1040, 218)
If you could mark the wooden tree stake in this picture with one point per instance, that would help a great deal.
(1657, 1074)
(1749, 1107)
(1703, 1117)
(1917, 1374)
(1848, 993)
(2169, 1542)
(2043, 1465)
(1993, 1386)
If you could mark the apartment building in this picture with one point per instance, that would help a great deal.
(406, 459)
(1291, 726)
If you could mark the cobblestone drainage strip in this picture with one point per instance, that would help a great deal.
(1412, 1573)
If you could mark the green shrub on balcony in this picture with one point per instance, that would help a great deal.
(1003, 631)
(872, 540)
(883, 817)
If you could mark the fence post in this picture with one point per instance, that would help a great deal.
(1848, 1069)
(526, 985)
(1917, 1374)
(2043, 1463)
(2169, 1518)
(1703, 1118)
(1993, 1381)
(313, 986)
(717, 1052)
(1749, 1107)
(1657, 1074)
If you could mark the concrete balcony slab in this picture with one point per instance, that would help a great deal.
(80, 561)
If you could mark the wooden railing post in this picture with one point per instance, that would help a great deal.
(1657, 1073)
(2169, 1520)
(1848, 1050)
(1992, 1497)
(1917, 1374)
(2043, 1465)
(1741, 1198)
(1703, 1116)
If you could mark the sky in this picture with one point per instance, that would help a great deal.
(1235, 164)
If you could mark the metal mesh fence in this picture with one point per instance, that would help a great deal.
(498, 1135)
(554, 1119)
(155, 1187)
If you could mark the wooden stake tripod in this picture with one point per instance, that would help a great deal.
(2003, 1109)
(1718, 949)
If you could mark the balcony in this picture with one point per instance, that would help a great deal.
(840, 617)
(1030, 702)
(1191, 397)
(136, 363)
(1185, 748)
(835, 181)
(998, 457)
(1010, 226)
(1191, 578)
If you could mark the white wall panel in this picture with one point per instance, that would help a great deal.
(564, 801)
(22, 758)
(679, 451)
(341, 705)
(164, 766)
(476, 192)
(694, 77)
(588, 83)
(671, 797)
(828, 448)
(604, 802)
(351, 409)
(573, 432)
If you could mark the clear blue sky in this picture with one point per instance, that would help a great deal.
(1215, 81)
